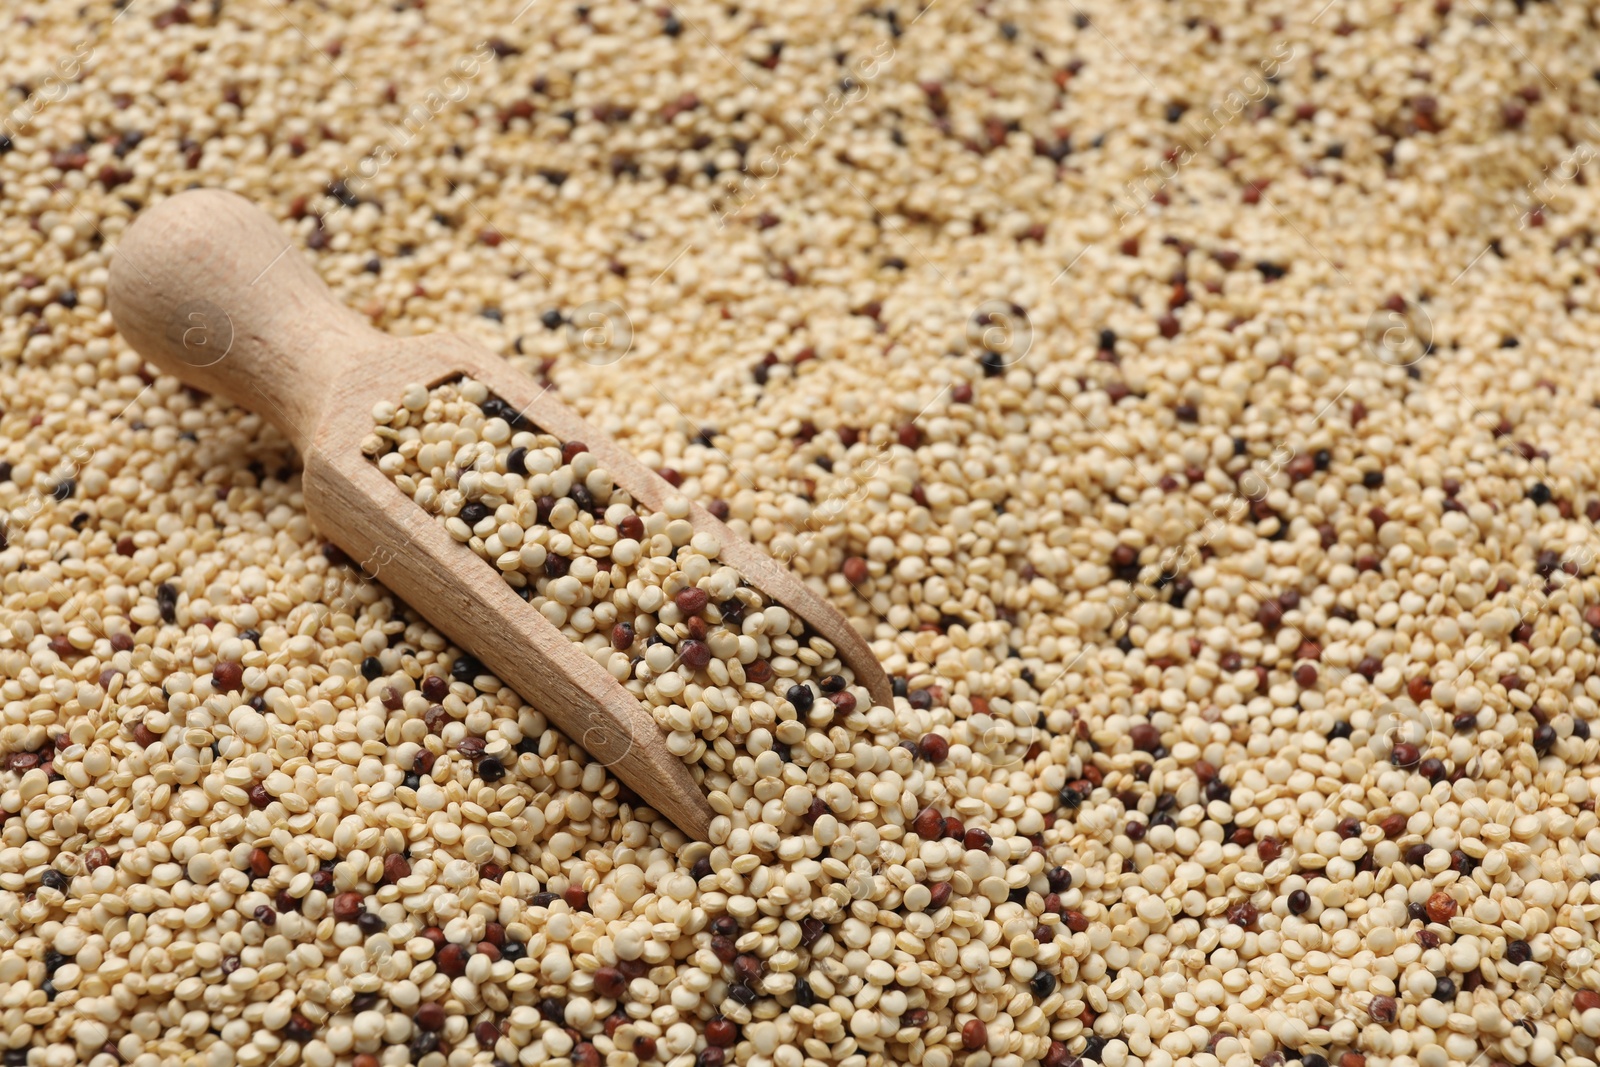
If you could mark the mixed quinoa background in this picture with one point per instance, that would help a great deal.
(1194, 405)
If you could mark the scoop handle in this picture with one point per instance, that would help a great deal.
(210, 289)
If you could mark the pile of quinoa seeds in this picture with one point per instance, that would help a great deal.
(1193, 404)
(720, 668)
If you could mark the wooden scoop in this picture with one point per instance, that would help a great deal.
(210, 289)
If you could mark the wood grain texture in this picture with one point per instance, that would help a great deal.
(207, 288)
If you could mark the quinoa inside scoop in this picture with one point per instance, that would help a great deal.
(727, 673)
